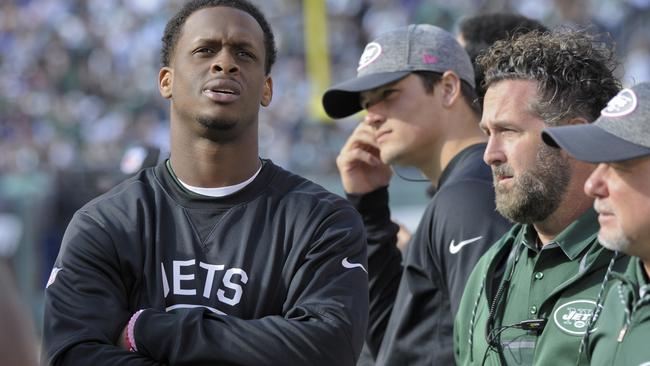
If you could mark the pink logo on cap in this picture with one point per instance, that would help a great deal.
(429, 59)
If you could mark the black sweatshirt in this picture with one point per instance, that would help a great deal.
(271, 275)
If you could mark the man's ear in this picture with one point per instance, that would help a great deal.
(165, 82)
(267, 93)
(450, 88)
(576, 121)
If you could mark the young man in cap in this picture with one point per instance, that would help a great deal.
(214, 256)
(528, 298)
(619, 142)
(417, 86)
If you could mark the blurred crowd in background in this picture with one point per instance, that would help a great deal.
(78, 89)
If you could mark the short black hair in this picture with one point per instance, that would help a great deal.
(175, 25)
(429, 80)
(574, 71)
(481, 31)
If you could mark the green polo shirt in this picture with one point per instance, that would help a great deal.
(558, 283)
(622, 333)
(537, 274)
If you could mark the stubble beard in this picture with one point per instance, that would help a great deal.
(615, 238)
(535, 193)
(619, 242)
(218, 129)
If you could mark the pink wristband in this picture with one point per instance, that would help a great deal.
(129, 331)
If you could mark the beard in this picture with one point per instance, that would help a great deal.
(535, 193)
(618, 242)
(219, 129)
(612, 238)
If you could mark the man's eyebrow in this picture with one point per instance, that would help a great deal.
(239, 42)
(496, 124)
(372, 96)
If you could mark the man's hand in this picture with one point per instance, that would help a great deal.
(359, 164)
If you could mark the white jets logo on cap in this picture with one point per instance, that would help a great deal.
(370, 54)
(623, 103)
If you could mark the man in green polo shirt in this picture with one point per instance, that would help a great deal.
(530, 297)
(619, 141)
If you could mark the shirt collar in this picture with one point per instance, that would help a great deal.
(572, 240)
(639, 271)
(458, 159)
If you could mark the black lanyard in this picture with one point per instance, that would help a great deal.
(497, 307)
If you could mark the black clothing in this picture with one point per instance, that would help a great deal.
(269, 275)
(412, 306)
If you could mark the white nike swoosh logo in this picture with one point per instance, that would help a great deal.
(347, 264)
(53, 274)
(453, 248)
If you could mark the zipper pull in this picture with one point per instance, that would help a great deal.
(621, 334)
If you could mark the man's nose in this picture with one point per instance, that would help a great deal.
(494, 154)
(374, 117)
(224, 62)
(595, 185)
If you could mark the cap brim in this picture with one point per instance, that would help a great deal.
(592, 144)
(342, 100)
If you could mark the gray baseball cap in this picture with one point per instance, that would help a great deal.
(392, 56)
(621, 132)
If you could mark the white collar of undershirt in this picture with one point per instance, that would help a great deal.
(220, 191)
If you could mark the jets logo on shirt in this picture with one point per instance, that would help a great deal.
(189, 277)
(573, 317)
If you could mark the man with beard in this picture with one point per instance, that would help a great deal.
(529, 298)
(621, 188)
(214, 256)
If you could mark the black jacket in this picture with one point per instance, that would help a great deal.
(412, 305)
(264, 276)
